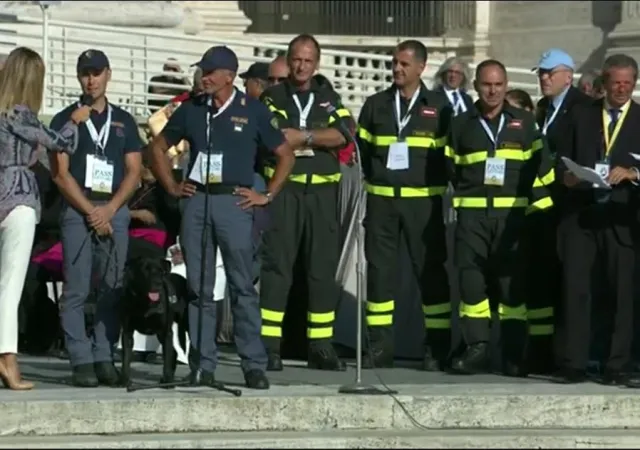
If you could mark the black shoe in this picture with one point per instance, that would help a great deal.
(256, 379)
(107, 374)
(378, 358)
(206, 378)
(322, 356)
(274, 362)
(619, 378)
(474, 360)
(511, 369)
(431, 363)
(567, 375)
(84, 376)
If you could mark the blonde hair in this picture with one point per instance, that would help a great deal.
(22, 80)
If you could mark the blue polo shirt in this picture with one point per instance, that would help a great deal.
(237, 133)
(123, 138)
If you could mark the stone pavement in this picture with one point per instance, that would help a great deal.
(304, 410)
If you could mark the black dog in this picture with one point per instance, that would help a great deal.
(153, 300)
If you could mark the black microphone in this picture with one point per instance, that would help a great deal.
(86, 100)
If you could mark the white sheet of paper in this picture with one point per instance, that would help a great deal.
(586, 174)
(88, 172)
(398, 157)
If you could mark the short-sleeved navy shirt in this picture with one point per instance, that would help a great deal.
(123, 138)
(237, 133)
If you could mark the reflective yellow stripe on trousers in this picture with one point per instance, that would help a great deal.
(442, 319)
(271, 323)
(320, 325)
(541, 315)
(380, 313)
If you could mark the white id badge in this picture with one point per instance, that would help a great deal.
(304, 153)
(494, 171)
(215, 168)
(602, 168)
(88, 172)
(102, 179)
(398, 157)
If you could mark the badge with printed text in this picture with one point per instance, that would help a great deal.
(515, 124)
(427, 111)
(494, 171)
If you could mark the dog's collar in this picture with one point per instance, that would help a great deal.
(171, 295)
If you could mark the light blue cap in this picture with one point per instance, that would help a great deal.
(553, 58)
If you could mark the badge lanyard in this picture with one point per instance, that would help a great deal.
(490, 135)
(100, 139)
(459, 106)
(407, 117)
(222, 109)
(549, 120)
(304, 112)
(610, 140)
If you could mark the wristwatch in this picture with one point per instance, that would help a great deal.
(308, 138)
(269, 196)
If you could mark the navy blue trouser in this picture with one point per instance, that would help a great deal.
(88, 259)
(230, 228)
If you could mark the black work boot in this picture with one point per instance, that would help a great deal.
(274, 361)
(514, 337)
(322, 356)
(84, 376)
(475, 359)
(379, 352)
(430, 363)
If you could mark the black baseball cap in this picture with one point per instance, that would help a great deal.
(218, 57)
(257, 70)
(92, 60)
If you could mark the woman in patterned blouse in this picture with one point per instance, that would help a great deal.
(21, 135)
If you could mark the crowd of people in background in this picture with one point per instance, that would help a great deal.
(79, 191)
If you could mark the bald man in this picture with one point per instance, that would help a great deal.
(278, 70)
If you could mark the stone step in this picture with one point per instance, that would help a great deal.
(312, 408)
(344, 439)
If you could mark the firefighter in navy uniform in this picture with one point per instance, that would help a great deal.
(402, 132)
(305, 214)
(495, 154)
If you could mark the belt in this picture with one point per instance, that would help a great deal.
(216, 189)
(307, 178)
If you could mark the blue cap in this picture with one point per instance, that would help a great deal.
(553, 58)
(219, 57)
(92, 60)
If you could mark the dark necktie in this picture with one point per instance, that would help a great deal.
(455, 97)
(614, 114)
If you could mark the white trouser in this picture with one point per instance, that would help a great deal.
(16, 241)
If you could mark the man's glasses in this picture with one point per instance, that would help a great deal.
(276, 79)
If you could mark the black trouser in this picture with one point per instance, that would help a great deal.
(595, 232)
(544, 277)
(488, 258)
(420, 220)
(302, 217)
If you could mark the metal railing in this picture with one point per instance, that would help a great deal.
(137, 56)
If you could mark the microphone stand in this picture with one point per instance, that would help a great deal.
(195, 378)
(358, 387)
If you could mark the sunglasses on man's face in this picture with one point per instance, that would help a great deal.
(276, 79)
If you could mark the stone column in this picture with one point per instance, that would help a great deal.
(481, 42)
(625, 38)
